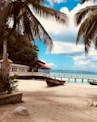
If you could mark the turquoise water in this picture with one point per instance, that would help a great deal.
(74, 77)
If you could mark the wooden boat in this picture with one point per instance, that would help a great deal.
(54, 82)
(93, 82)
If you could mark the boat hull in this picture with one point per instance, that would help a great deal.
(92, 83)
(54, 82)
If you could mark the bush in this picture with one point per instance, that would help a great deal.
(9, 85)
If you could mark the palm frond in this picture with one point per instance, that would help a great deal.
(25, 21)
(95, 43)
(88, 29)
(3, 17)
(39, 32)
(83, 12)
(83, 1)
(89, 34)
(48, 12)
(92, 25)
(14, 13)
(35, 29)
(35, 1)
(82, 29)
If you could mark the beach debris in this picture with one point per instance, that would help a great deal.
(95, 103)
(21, 110)
(92, 103)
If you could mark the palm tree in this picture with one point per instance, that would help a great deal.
(88, 27)
(17, 15)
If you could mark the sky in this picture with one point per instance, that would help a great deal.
(66, 55)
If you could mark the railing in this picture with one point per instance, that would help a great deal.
(74, 78)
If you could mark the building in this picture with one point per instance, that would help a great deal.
(38, 66)
(19, 68)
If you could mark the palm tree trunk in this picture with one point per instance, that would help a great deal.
(4, 69)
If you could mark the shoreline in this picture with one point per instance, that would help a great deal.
(66, 103)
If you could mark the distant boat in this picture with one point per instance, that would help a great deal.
(93, 82)
(54, 82)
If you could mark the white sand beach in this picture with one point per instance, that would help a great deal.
(67, 103)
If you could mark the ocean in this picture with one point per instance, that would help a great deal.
(79, 77)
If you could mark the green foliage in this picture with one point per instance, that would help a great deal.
(21, 51)
(1, 83)
(8, 86)
(13, 83)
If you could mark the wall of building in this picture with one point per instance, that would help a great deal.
(19, 68)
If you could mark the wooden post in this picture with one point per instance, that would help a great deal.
(68, 79)
(82, 80)
(61, 78)
(75, 80)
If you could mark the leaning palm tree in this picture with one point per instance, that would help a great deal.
(17, 15)
(88, 27)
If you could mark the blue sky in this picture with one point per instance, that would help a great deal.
(65, 54)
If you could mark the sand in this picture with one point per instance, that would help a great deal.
(67, 103)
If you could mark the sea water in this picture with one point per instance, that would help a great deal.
(79, 77)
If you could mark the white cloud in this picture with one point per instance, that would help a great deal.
(56, 1)
(87, 62)
(66, 47)
(80, 61)
(52, 65)
(64, 38)
(54, 27)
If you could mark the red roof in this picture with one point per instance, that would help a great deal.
(43, 65)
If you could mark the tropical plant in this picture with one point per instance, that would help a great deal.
(9, 86)
(88, 27)
(17, 15)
